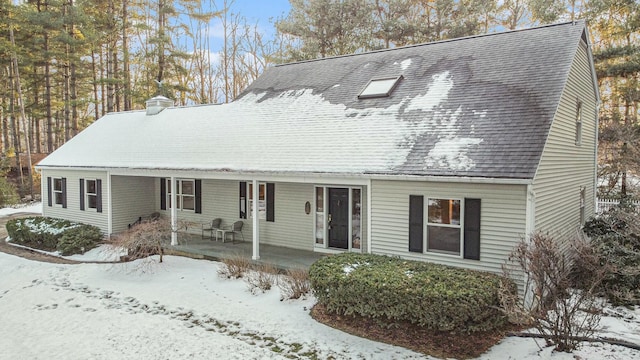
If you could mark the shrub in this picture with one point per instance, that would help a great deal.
(144, 239)
(234, 267)
(79, 240)
(8, 193)
(392, 290)
(294, 284)
(616, 239)
(562, 315)
(262, 278)
(38, 232)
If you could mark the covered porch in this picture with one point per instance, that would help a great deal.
(283, 258)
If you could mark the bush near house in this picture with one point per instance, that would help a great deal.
(79, 240)
(52, 234)
(392, 290)
(615, 237)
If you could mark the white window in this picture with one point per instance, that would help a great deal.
(91, 194)
(262, 201)
(443, 226)
(320, 223)
(579, 123)
(185, 194)
(379, 87)
(58, 191)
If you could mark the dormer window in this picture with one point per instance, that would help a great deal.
(379, 87)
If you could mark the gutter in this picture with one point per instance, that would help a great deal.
(289, 176)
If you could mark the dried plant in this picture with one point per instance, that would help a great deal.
(294, 284)
(235, 267)
(145, 239)
(562, 314)
(262, 278)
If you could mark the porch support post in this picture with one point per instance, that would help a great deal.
(174, 212)
(109, 205)
(369, 217)
(256, 222)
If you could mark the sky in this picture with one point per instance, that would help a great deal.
(261, 10)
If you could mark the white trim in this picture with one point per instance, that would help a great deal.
(179, 199)
(109, 203)
(315, 217)
(325, 206)
(174, 213)
(369, 217)
(256, 223)
(595, 159)
(54, 191)
(459, 226)
(292, 176)
(328, 250)
(87, 194)
(530, 211)
(262, 215)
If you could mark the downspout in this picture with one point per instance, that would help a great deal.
(174, 212)
(256, 222)
(595, 160)
(529, 228)
(530, 221)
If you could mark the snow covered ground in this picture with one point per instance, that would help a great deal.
(35, 208)
(182, 309)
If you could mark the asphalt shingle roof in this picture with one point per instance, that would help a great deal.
(480, 107)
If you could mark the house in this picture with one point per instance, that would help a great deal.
(448, 152)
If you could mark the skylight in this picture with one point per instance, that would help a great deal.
(379, 87)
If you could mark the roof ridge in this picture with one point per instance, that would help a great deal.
(574, 22)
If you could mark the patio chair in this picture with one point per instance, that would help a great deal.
(235, 228)
(212, 227)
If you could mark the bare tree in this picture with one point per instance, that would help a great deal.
(145, 239)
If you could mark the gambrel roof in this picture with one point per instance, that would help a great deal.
(479, 106)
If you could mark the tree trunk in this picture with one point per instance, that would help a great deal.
(125, 57)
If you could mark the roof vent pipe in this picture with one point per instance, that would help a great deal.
(157, 104)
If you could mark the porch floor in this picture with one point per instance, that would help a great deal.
(281, 257)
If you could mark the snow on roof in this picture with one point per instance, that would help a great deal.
(296, 131)
(479, 106)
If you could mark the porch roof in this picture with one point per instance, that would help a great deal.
(472, 107)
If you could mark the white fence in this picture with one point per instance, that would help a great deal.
(606, 204)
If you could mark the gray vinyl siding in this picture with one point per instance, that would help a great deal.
(564, 166)
(73, 212)
(133, 197)
(502, 219)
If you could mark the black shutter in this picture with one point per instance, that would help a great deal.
(416, 223)
(163, 194)
(271, 187)
(198, 196)
(82, 194)
(99, 195)
(472, 229)
(49, 192)
(243, 200)
(64, 193)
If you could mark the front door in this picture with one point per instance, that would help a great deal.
(338, 218)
